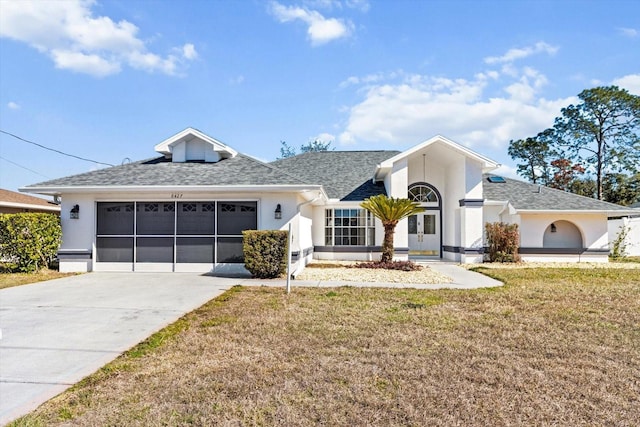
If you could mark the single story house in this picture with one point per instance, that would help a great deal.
(185, 209)
(12, 202)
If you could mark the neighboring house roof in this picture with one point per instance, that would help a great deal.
(345, 175)
(240, 170)
(524, 196)
(11, 199)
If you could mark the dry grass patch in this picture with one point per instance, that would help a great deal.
(8, 279)
(551, 347)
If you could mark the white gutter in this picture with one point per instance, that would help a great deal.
(170, 188)
(53, 208)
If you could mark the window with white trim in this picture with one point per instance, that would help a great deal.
(349, 227)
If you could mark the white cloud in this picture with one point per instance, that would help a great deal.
(320, 30)
(421, 106)
(361, 5)
(370, 78)
(324, 137)
(13, 105)
(75, 39)
(508, 171)
(629, 32)
(189, 51)
(519, 53)
(631, 82)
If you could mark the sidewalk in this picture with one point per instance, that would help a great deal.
(462, 279)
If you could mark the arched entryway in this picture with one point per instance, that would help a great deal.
(425, 229)
(562, 234)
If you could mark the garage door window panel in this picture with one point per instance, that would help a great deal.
(154, 249)
(195, 249)
(196, 218)
(155, 218)
(114, 249)
(235, 217)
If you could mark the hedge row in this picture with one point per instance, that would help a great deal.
(30, 240)
(265, 252)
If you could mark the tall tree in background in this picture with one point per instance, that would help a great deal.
(534, 153)
(564, 174)
(622, 189)
(316, 145)
(603, 132)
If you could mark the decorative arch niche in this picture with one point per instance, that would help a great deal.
(562, 234)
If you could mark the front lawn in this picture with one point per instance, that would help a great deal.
(9, 279)
(552, 347)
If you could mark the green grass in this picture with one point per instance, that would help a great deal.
(551, 347)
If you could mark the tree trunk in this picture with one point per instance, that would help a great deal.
(387, 244)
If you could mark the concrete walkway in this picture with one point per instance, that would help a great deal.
(55, 333)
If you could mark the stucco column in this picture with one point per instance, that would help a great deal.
(471, 226)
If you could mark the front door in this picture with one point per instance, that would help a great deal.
(424, 238)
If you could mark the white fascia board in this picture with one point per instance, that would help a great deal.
(164, 146)
(386, 166)
(487, 162)
(174, 188)
(610, 213)
(53, 207)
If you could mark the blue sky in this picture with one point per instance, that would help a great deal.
(107, 80)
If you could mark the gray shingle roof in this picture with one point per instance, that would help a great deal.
(525, 196)
(239, 170)
(345, 175)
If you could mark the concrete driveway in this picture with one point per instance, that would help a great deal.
(57, 332)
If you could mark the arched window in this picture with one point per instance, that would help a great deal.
(422, 193)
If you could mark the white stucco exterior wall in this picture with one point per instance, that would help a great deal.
(593, 228)
(633, 237)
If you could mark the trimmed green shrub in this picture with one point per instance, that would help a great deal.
(503, 240)
(265, 252)
(30, 240)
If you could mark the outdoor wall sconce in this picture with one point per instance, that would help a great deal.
(553, 228)
(75, 212)
(278, 212)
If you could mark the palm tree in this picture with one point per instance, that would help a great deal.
(390, 211)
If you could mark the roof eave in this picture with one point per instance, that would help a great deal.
(52, 207)
(59, 190)
(608, 212)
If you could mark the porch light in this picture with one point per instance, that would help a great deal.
(75, 212)
(553, 228)
(278, 212)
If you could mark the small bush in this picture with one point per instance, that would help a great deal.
(265, 252)
(29, 240)
(503, 241)
(391, 265)
(619, 244)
